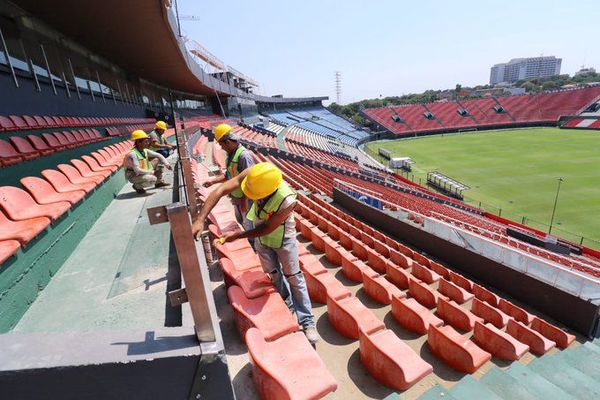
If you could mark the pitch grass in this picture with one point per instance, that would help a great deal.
(517, 171)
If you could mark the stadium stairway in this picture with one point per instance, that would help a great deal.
(567, 375)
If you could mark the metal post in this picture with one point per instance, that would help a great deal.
(90, 89)
(100, 86)
(64, 79)
(120, 92)
(5, 49)
(38, 88)
(555, 202)
(74, 79)
(48, 69)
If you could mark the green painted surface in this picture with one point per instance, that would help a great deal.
(584, 360)
(116, 278)
(23, 277)
(517, 171)
(536, 383)
(469, 388)
(437, 393)
(507, 387)
(573, 381)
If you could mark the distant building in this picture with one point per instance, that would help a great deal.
(525, 68)
(585, 71)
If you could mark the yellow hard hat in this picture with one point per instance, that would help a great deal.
(262, 180)
(138, 134)
(161, 125)
(221, 130)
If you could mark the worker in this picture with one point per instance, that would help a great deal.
(276, 246)
(238, 159)
(143, 167)
(158, 142)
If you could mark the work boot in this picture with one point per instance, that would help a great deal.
(311, 334)
(161, 184)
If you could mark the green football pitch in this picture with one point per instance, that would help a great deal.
(515, 173)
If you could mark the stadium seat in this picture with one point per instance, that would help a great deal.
(6, 124)
(516, 312)
(353, 268)
(454, 292)
(557, 335)
(38, 144)
(423, 293)
(61, 184)
(8, 154)
(268, 313)
(456, 350)
(75, 177)
(24, 148)
(489, 313)
(413, 316)
(537, 343)
(7, 249)
(424, 274)
(19, 205)
(85, 170)
(348, 315)
(322, 285)
(253, 281)
(287, 368)
(485, 295)
(457, 316)
(397, 275)
(440, 270)
(390, 361)
(95, 166)
(22, 231)
(461, 281)
(498, 343)
(44, 193)
(380, 289)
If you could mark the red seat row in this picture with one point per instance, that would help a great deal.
(24, 214)
(26, 122)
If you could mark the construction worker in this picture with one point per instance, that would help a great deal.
(159, 144)
(238, 159)
(143, 167)
(277, 248)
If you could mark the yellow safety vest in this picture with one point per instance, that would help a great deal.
(143, 160)
(274, 239)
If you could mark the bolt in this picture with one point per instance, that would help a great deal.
(203, 377)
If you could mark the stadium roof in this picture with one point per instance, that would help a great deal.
(140, 36)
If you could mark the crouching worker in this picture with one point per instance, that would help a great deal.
(143, 167)
(271, 214)
(158, 142)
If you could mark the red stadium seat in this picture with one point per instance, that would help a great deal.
(19, 205)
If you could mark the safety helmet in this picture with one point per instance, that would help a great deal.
(161, 125)
(262, 180)
(138, 135)
(221, 130)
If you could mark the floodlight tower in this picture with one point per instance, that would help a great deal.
(338, 86)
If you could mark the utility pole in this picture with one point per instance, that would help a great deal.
(555, 201)
(338, 87)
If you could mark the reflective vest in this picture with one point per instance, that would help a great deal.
(274, 239)
(232, 170)
(161, 141)
(143, 160)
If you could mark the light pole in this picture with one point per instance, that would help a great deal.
(555, 201)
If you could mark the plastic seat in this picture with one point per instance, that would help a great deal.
(557, 335)
(380, 289)
(440, 270)
(72, 139)
(8, 154)
(485, 295)
(75, 177)
(6, 125)
(333, 251)
(44, 193)
(454, 292)
(516, 312)
(413, 316)
(268, 313)
(287, 368)
(62, 185)
(38, 143)
(348, 315)
(397, 275)
(498, 343)
(424, 274)
(53, 141)
(21, 231)
(85, 170)
(24, 148)
(352, 267)
(423, 293)
(323, 284)
(7, 249)
(455, 315)
(537, 343)
(401, 259)
(100, 159)
(31, 122)
(391, 361)
(95, 165)
(456, 350)
(18, 122)
(19, 205)
(461, 281)
(67, 142)
(253, 281)
(489, 313)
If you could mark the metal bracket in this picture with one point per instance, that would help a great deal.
(178, 297)
(157, 215)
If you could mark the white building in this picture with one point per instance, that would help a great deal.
(525, 68)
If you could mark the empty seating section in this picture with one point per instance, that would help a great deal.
(25, 213)
(534, 108)
(29, 146)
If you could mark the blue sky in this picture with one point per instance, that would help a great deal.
(388, 47)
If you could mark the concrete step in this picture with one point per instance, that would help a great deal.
(507, 386)
(558, 371)
(437, 392)
(592, 347)
(470, 388)
(537, 383)
(584, 360)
